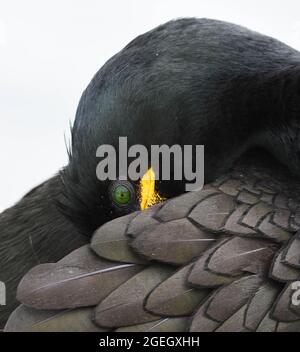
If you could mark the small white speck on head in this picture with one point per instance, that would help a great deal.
(33, 250)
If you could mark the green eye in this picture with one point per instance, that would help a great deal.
(121, 195)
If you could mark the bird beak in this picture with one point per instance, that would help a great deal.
(147, 194)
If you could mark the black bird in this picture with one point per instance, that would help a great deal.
(187, 82)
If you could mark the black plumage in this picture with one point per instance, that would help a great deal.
(189, 81)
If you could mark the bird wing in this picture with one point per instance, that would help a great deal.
(226, 258)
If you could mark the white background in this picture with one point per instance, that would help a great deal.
(49, 51)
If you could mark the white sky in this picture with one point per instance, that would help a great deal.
(49, 51)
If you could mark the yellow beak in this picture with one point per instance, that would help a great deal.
(148, 195)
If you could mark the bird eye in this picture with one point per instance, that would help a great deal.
(121, 195)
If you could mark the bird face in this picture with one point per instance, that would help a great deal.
(93, 203)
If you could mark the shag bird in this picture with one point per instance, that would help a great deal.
(187, 82)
